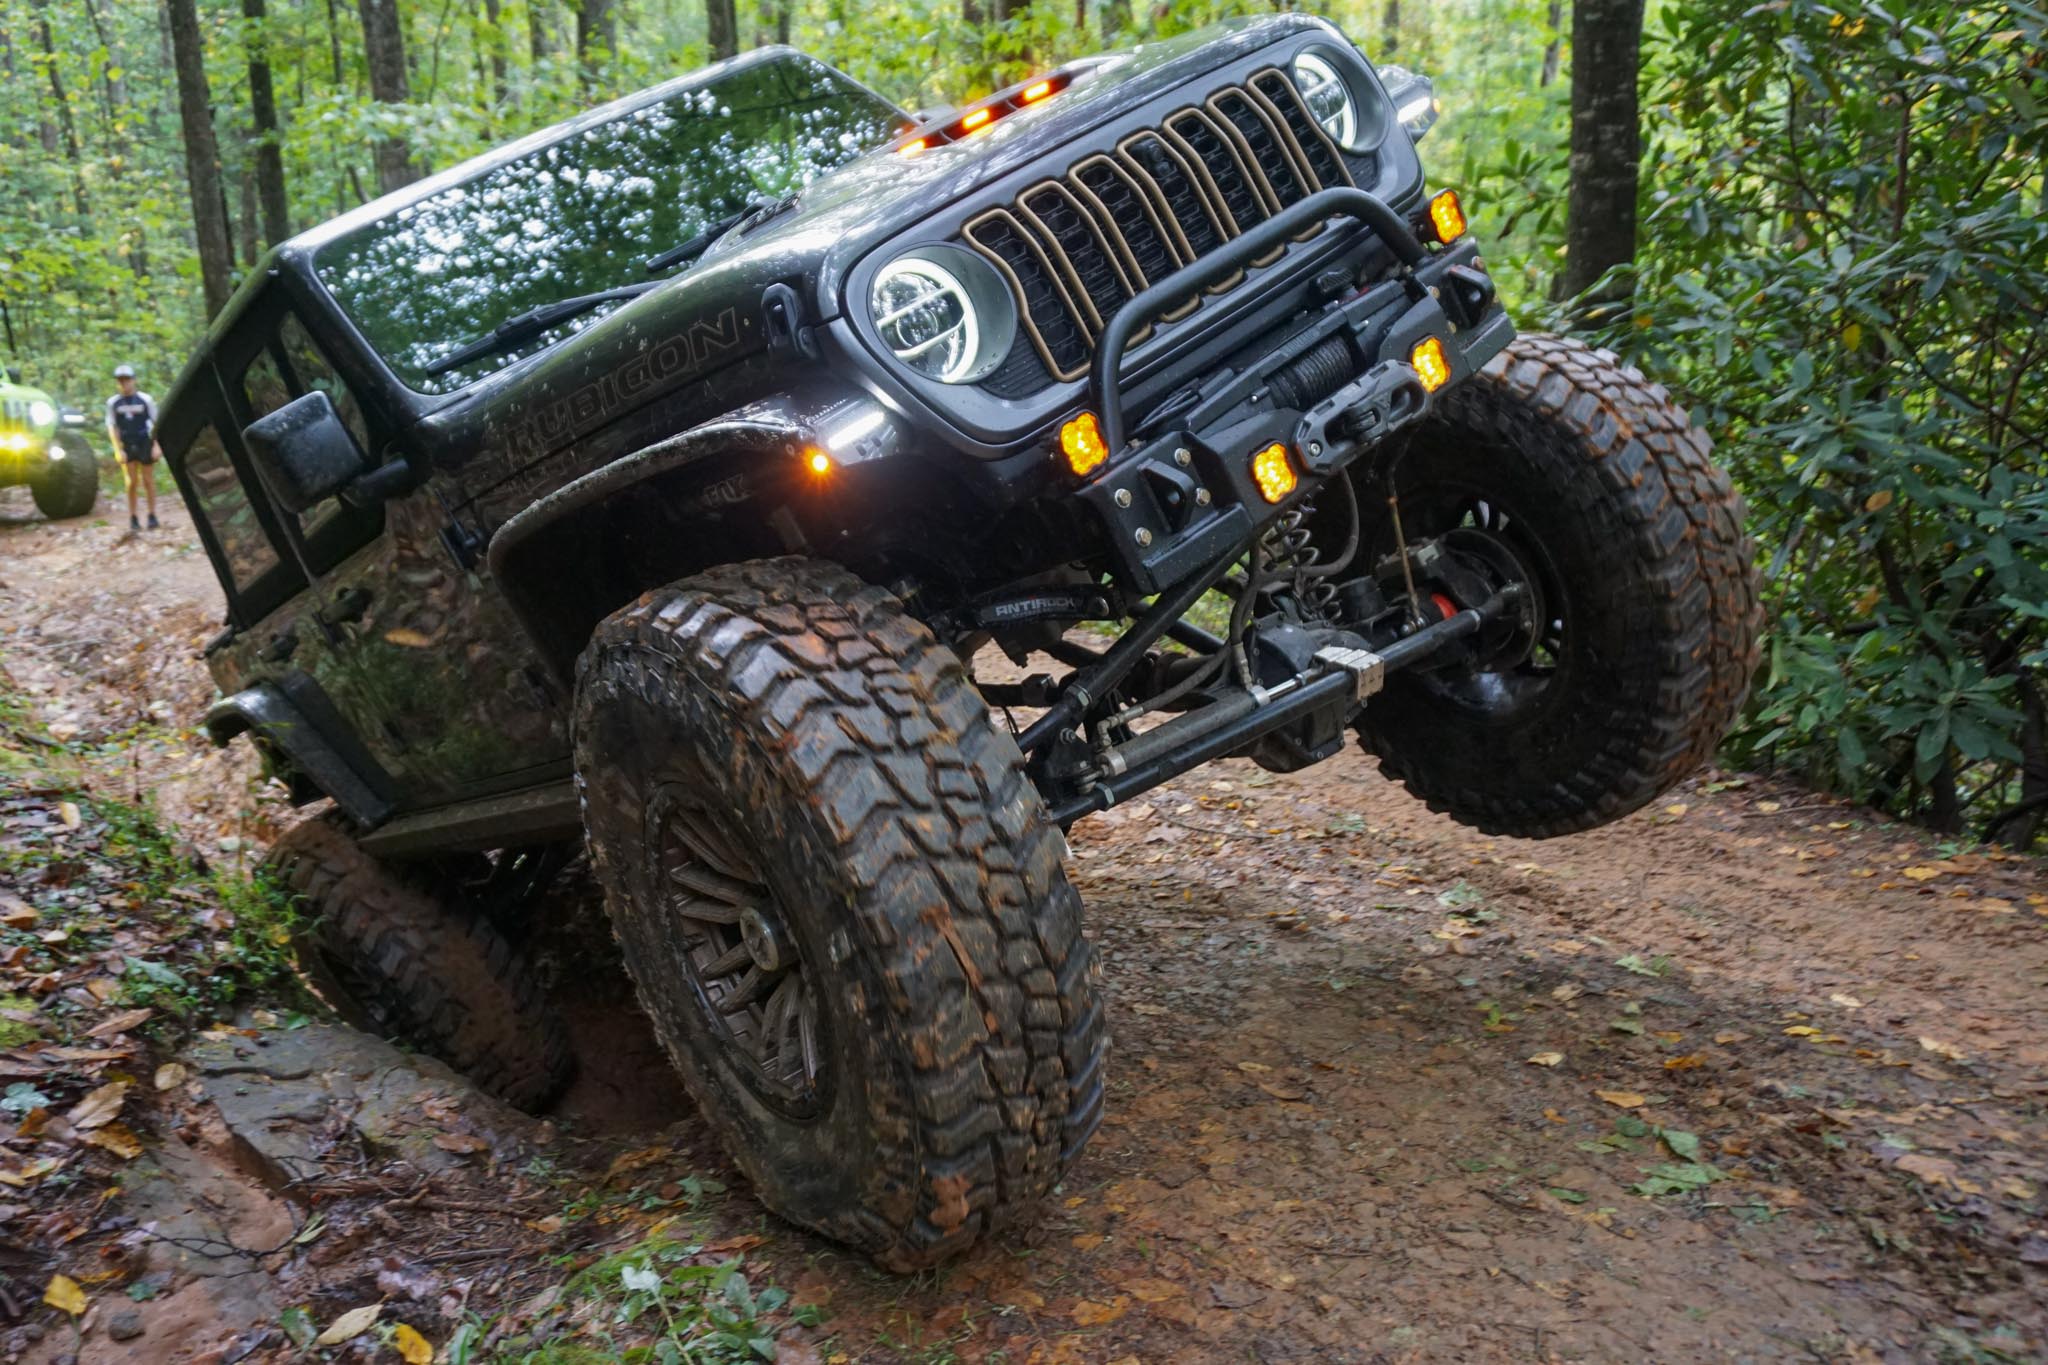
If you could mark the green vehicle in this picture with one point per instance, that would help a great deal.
(42, 444)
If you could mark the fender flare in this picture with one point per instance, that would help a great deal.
(539, 556)
(279, 724)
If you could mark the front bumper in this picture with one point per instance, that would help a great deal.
(1179, 498)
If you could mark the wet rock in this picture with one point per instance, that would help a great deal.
(125, 1325)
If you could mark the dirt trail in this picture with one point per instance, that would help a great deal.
(1747, 1076)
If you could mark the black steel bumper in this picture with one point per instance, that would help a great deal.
(1177, 499)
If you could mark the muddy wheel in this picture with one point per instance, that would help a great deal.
(395, 961)
(1576, 476)
(68, 487)
(840, 901)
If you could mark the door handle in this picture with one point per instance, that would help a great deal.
(280, 647)
(350, 604)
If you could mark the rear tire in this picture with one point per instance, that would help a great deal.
(394, 961)
(1582, 470)
(839, 898)
(71, 486)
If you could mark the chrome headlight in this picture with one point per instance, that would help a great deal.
(1328, 98)
(40, 413)
(943, 312)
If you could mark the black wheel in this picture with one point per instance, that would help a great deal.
(1561, 469)
(394, 960)
(840, 901)
(68, 487)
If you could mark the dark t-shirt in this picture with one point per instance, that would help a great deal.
(133, 417)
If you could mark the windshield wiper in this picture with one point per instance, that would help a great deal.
(531, 323)
(751, 214)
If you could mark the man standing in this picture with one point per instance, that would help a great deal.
(131, 428)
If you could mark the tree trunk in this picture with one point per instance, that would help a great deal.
(115, 87)
(721, 29)
(384, 52)
(267, 151)
(1390, 28)
(1553, 51)
(1600, 209)
(246, 184)
(65, 122)
(597, 34)
(501, 70)
(539, 46)
(202, 154)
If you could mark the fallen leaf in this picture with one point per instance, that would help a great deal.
(1770, 807)
(117, 1138)
(1148, 1290)
(1802, 1031)
(1284, 1090)
(63, 1293)
(1941, 1049)
(1931, 1169)
(1676, 809)
(1568, 946)
(29, 1174)
(1622, 1099)
(1088, 1241)
(68, 813)
(1846, 1001)
(1689, 1062)
(1730, 1037)
(1253, 1066)
(1092, 1313)
(2012, 1187)
(17, 915)
(1567, 993)
(119, 1023)
(170, 1075)
(460, 1142)
(99, 1107)
(408, 638)
(350, 1325)
(1546, 1059)
(412, 1347)
(1921, 873)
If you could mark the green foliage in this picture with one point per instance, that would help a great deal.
(1844, 269)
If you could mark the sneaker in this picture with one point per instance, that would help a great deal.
(153, 522)
(133, 524)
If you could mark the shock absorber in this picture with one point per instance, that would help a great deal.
(1292, 557)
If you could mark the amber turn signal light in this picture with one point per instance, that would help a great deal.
(913, 147)
(1081, 442)
(1273, 472)
(818, 462)
(1447, 217)
(1432, 367)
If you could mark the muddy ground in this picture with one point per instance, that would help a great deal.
(1750, 1075)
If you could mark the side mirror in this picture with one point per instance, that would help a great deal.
(1414, 96)
(304, 453)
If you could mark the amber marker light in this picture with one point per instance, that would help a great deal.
(913, 147)
(1035, 92)
(976, 119)
(1447, 217)
(1082, 444)
(818, 462)
(1431, 366)
(1273, 472)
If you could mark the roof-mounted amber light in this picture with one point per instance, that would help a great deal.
(981, 116)
(914, 146)
(1447, 217)
(976, 118)
(1035, 92)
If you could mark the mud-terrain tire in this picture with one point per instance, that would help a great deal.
(395, 961)
(69, 487)
(937, 1062)
(1639, 539)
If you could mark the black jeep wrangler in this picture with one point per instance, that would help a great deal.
(652, 485)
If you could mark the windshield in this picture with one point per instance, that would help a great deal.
(585, 213)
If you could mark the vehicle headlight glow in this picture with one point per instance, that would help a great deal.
(1328, 98)
(943, 312)
(40, 413)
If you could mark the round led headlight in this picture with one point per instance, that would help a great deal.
(944, 312)
(1328, 97)
(40, 413)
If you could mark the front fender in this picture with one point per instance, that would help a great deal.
(287, 729)
(708, 495)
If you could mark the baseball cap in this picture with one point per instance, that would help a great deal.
(124, 372)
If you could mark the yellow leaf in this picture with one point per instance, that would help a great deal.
(1770, 807)
(1088, 1241)
(117, 1138)
(1878, 501)
(1622, 1099)
(68, 813)
(1802, 1031)
(412, 1347)
(350, 1325)
(1546, 1059)
(409, 638)
(1253, 1066)
(63, 1293)
(1689, 1062)
(1676, 809)
(1846, 1001)
(1922, 874)
(1852, 336)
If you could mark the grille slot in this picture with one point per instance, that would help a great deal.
(1076, 249)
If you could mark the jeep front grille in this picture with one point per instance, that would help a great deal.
(1075, 249)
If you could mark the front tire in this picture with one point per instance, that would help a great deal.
(1571, 467)
(68, 487)
(841, 903)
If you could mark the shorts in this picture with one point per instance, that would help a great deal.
(146, 456)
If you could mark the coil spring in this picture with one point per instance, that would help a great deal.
(1291, 554)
